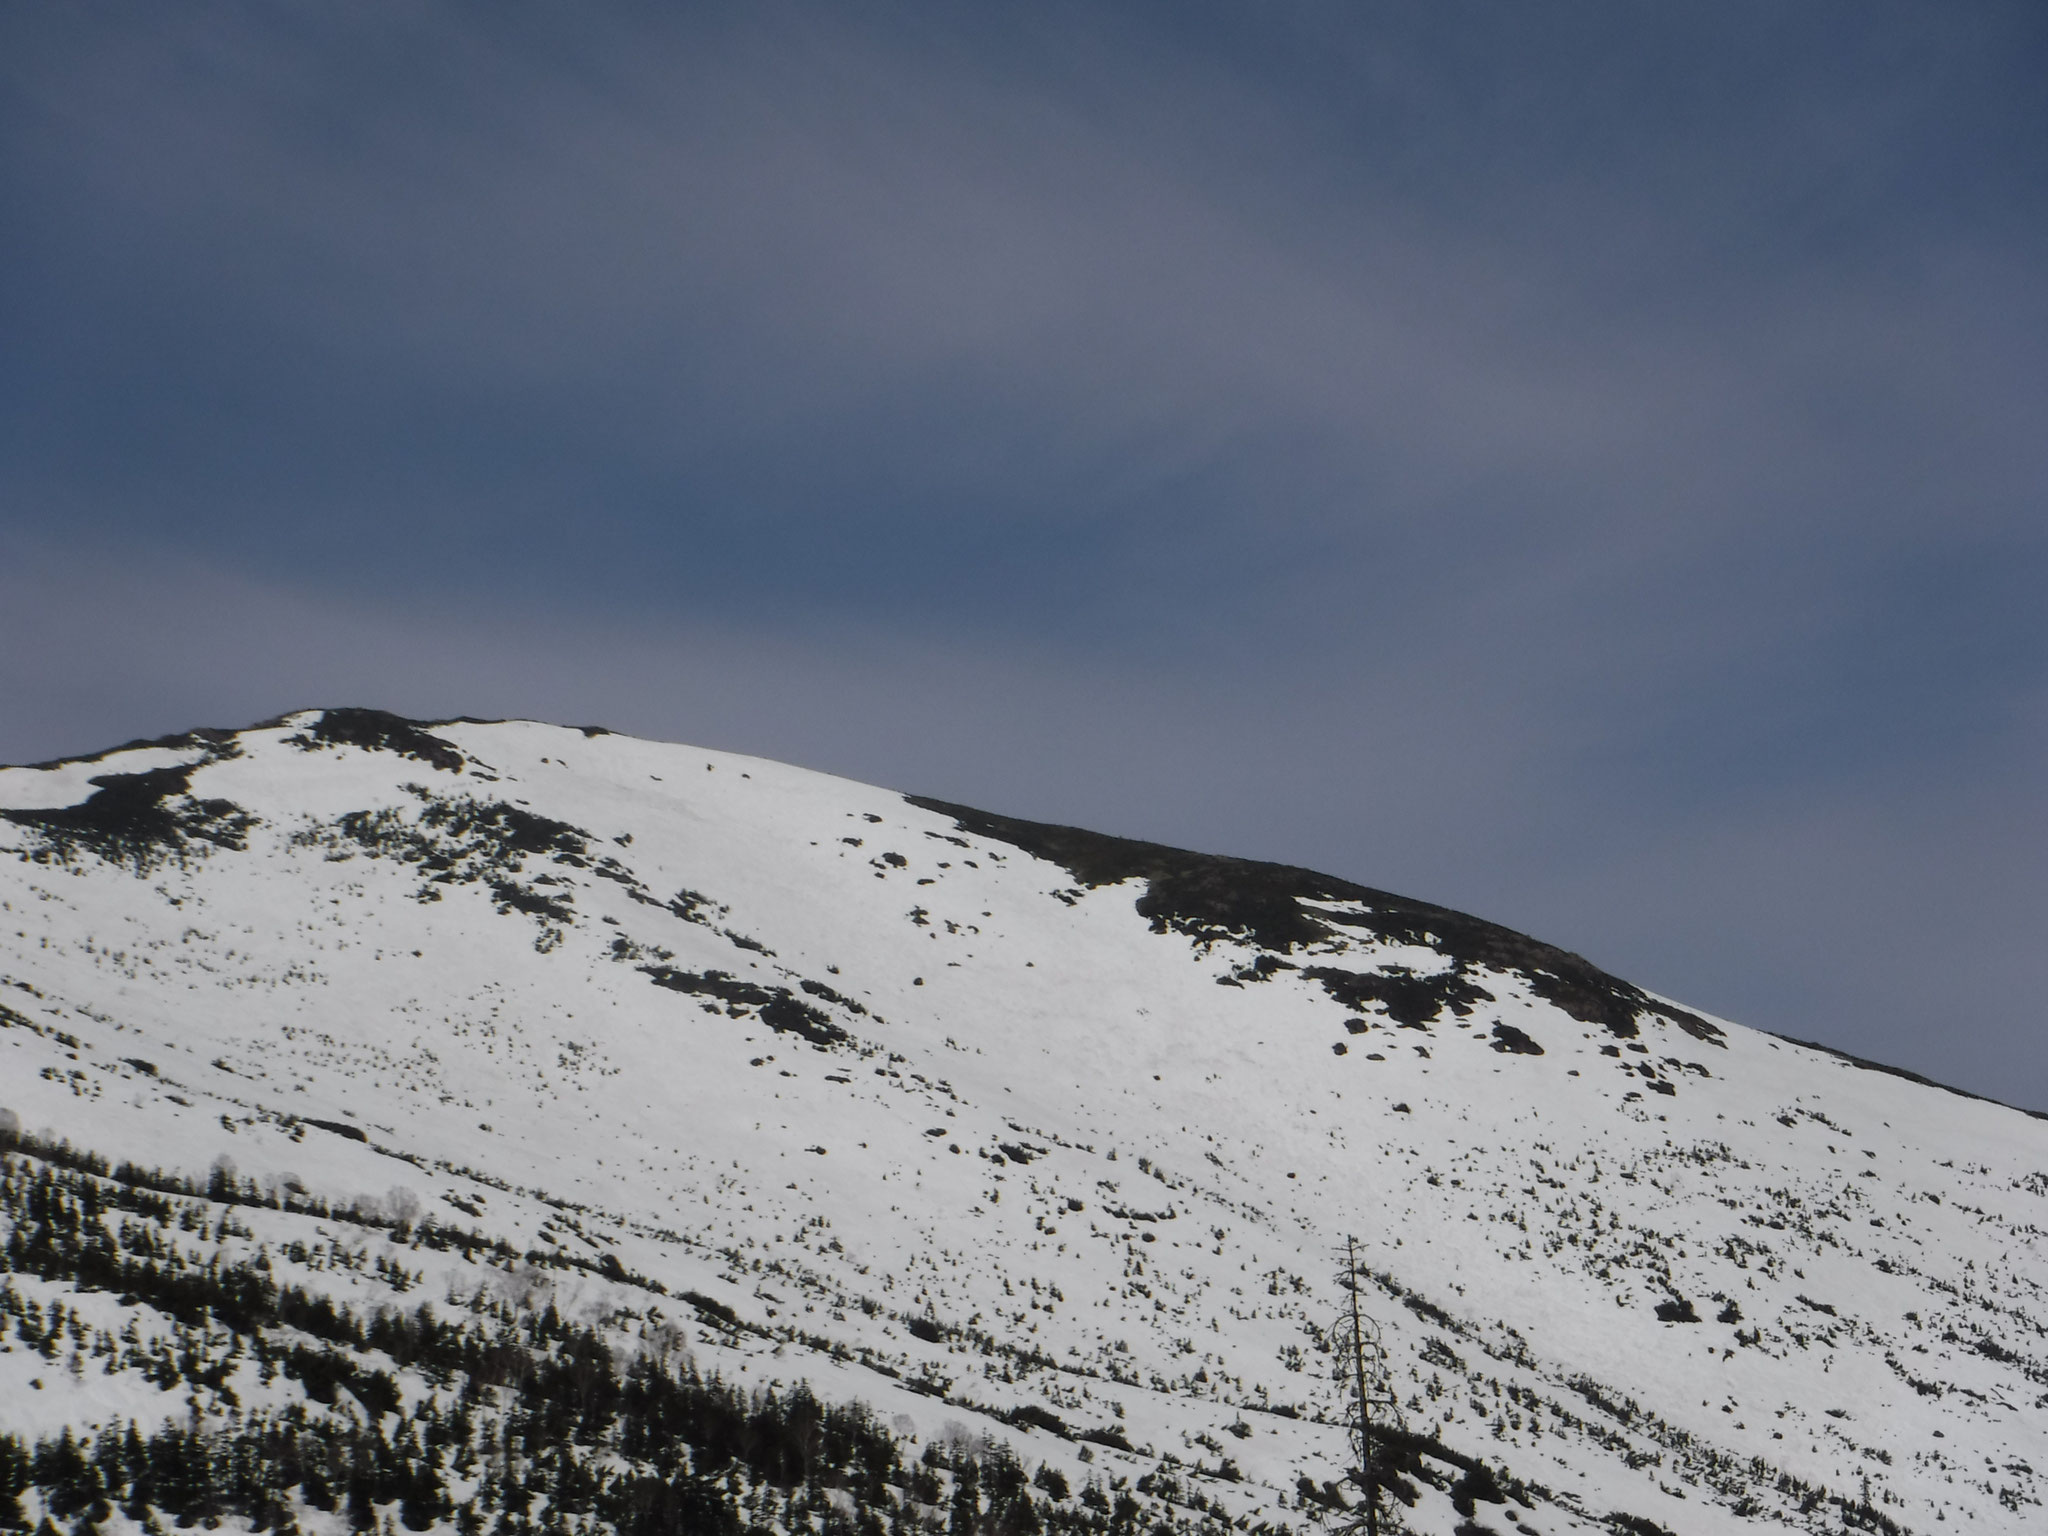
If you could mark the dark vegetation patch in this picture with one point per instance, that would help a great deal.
(145, 819)
(448, 834)
(1215, 898)
(777, 1007)
(606, 1435)
(464, 841)
(1437, 1352)
(819, 989)
(375, 730)
(1429, 1311)
(1409, 1000)
(513, 897)
(337, 1128)
(1401, 1454)
(1623, 1411)
(1031, 1416)
(711, 1308)
(633, 1442)
(9, 1019)
(1982, 1344)
(696, 907)
(1636, 1525)
(1113, 1438)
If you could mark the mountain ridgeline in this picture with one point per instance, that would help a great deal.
(493, 1127)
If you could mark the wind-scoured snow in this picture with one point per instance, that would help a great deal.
(999, 1130)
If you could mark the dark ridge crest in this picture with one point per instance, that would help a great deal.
(1911, 1077)
(220, 743)
(376, 730)
(1215, 897)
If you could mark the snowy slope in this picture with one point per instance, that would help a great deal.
(1003, 1131)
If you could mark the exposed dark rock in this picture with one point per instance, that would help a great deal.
(1408, 999)
(1514, 1042)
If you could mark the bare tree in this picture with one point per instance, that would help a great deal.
(1370, 1410)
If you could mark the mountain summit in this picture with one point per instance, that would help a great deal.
(492, 1126)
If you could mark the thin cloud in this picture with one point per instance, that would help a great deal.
(1504, 458)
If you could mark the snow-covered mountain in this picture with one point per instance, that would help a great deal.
(496, 1126)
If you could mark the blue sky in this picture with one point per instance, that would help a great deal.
(1582, 464)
